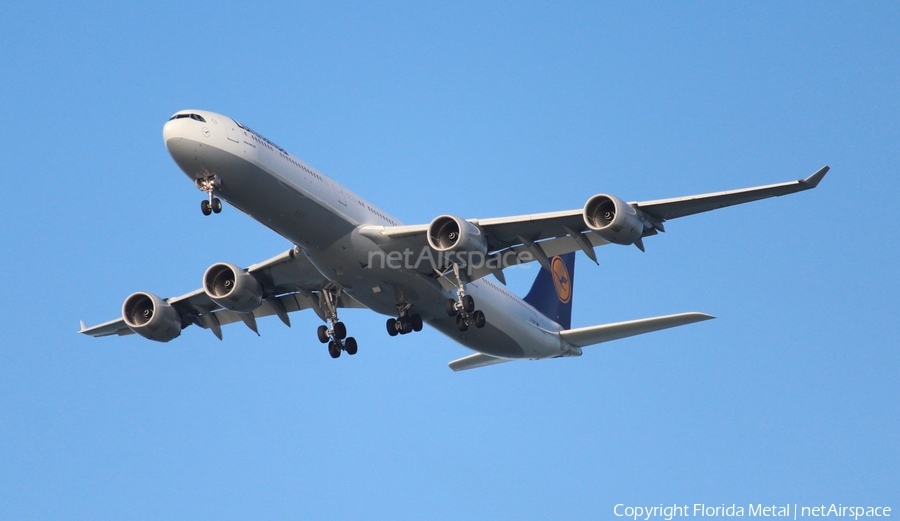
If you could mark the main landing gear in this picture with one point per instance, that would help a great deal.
(335, 333)
(463, 307)
(212, 204)
(406, 323)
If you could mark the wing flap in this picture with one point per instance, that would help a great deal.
(268, 308)
(289, 303)
(586, 336)
(505, 231)
(549, 248)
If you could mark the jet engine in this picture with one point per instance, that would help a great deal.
(232, 288)
(613, 219)
(450, 234)
(151, 317)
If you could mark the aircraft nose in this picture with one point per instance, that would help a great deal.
(180, 135)
(168, 132)
(177, 136)
(171, 130)
(185, 124)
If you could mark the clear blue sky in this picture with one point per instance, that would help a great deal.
(791, 395)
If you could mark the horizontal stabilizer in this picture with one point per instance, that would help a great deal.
(586, 336)
(476, 360)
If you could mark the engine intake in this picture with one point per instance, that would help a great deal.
(151, 317)
(450, 234)
(232, 288)
(613, 219)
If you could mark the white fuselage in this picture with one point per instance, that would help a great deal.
(323, 219)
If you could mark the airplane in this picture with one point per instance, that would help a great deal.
(348, 253)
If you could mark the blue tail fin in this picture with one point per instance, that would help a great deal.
(551, 293)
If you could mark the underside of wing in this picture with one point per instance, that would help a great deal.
(508, 241)
(500, 243)
(287, 283)
(113, 327)
(499, 233)
(666, 209)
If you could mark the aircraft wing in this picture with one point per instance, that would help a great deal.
(680, 207)
(556, 233)
(289, 281)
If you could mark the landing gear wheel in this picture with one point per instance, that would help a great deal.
(461, 323)
(478, 319)
(205, 208)
(350, 346)
(340, 330)
(334, 349)
(416, 322)
(451, 307)
(392, 326)
(405, 325)
(322, 333)
(468, 303)
(216, 205)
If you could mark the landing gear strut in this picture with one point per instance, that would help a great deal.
(335, 333)
(463, 306)
(212, 204)
(406, 323)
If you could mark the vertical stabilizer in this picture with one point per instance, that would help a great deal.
(551, 293)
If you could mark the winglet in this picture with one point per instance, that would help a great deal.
(83, 326)
(813, 180)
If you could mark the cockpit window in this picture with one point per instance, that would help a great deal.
(195, 117)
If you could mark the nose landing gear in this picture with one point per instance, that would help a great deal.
(212, 204)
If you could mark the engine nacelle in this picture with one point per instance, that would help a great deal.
(232, 288)
(613, 219)
(151, 317)
(452, 235)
